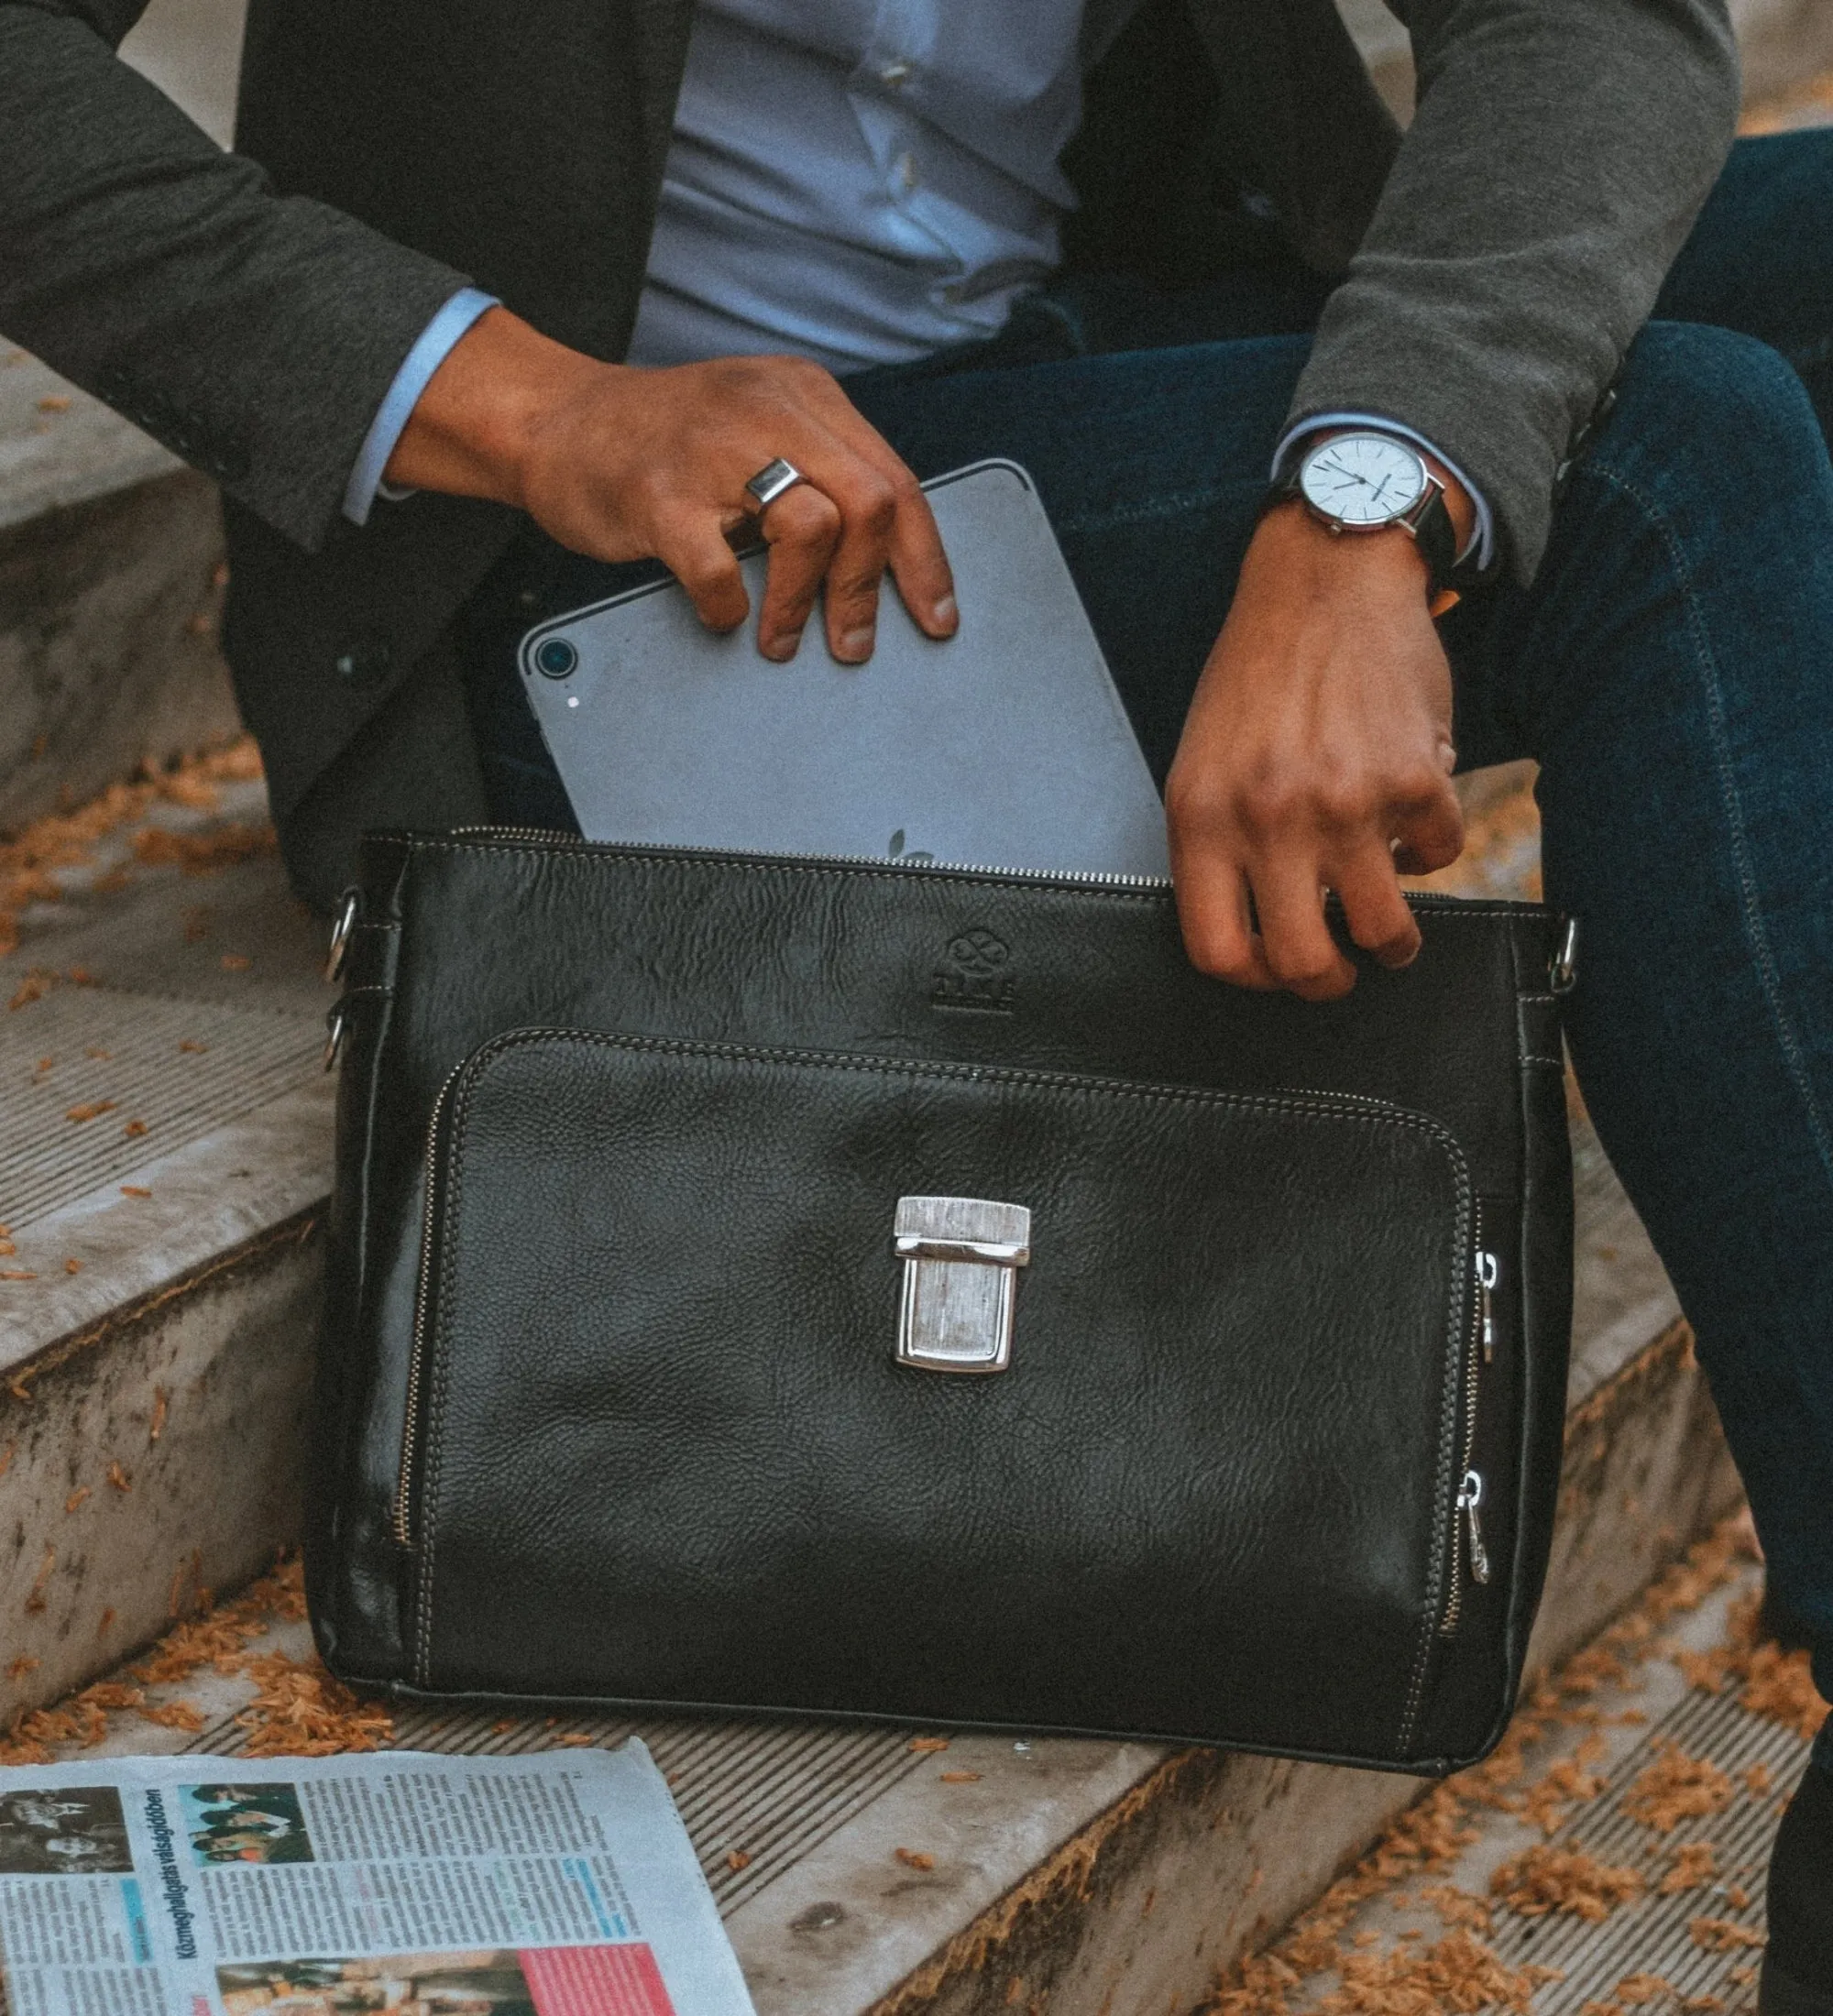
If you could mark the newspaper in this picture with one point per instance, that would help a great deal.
(562, 1884)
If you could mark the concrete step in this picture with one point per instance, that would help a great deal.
(1611, 1856)
(151, 1430)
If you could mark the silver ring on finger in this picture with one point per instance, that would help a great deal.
(773, 480)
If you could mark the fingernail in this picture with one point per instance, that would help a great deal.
(783, 649)
(856, 644)
(944, 613)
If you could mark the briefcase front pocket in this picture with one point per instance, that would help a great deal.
(792, 1381)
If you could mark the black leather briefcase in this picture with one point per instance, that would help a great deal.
(827, 1287)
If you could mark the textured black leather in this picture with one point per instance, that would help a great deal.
(609, 1402)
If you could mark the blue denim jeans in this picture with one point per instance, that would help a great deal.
(1671, 668)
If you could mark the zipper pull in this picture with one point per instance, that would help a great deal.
(1469, 1500)
(1488, 1272)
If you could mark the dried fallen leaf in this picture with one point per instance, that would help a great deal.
(135, 1190)
(161, 1400)
(738, 1859)
(1721, 1935)
(18, 1274)
(34, 1601)
(72, 1265)
(235, 962)
(1677, 1787)
(174, 1715)
(54, 402)
(1695, 1865)
(960, 1778)
(573, 1742)
(92, 1110)
(119, 1478)
(913, 1859)
(77, 1497)
(925, 1743)
(21, 1667)
(193, 1049)
(134, 1129)
(1543, 1880)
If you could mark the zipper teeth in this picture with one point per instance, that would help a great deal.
(848, 860)
(403, 1513)
(1428, 899)
(1473, 1381)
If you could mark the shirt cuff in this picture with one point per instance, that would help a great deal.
(428, 354)
(1482, 540)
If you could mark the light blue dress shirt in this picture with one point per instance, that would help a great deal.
(857, 182)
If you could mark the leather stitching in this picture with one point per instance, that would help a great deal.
(1336, 1106)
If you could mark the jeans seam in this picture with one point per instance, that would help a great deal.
(1749, 904)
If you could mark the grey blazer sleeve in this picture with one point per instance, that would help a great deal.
(254, 334)
(1560, 151)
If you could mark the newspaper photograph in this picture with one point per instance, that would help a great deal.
(557, 1885)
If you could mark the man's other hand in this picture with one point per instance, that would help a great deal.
(1317, 756)
(634, 464)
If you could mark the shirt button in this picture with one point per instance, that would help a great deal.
(363, 661)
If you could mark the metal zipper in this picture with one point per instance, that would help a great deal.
(1097, 877)
(401, 1514)
(1466, 1511)
(1420, 899)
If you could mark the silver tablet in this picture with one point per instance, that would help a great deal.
(1005, 747)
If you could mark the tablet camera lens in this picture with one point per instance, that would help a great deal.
(557, 659)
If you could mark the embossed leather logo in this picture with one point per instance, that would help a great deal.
(975, 974)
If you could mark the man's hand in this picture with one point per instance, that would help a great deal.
(631, 465)
(1317, 756)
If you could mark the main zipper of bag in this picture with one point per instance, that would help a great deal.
(1098, 877)
(1423, 898)
(1467, 1499)
(403, 1512)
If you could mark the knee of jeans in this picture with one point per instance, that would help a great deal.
(1706, 405)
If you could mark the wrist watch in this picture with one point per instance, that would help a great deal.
(1363, 481)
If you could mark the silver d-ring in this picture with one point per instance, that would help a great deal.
(771, 482)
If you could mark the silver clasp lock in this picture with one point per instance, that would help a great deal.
(962, 1256)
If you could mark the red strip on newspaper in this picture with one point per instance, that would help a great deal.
(595, 1981)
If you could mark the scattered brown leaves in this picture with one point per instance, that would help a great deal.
(1721, 1935)
(1677, 1787)
(93, 1110)
(202, 853)
(174, 1715)
(1771, 1682)
(1428, 1837)
(299, 1710)
(1459, 1973)
(915, 1859)
(1543, 1880)
(1695, 1865)
(29, 862)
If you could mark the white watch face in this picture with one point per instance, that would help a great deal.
(1362, 479)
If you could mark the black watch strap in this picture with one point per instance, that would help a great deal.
(1436, 537)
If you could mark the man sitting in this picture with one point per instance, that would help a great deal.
(575, 274)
